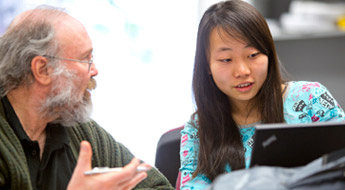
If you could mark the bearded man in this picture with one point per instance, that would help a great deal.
(47, 139)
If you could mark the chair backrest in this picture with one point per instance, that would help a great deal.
(178, 181)
(168, 154)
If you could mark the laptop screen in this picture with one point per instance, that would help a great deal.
(290, 145)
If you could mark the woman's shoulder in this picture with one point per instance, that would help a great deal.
(302, 95)
(304, 85)
(309, 102)
(306, 89)
(192, 124)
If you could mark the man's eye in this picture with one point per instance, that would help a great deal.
(87, 59)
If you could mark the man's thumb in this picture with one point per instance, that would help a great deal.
(85, 156)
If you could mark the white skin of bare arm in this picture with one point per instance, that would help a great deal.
(125, 179)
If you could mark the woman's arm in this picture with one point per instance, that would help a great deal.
(189, 159)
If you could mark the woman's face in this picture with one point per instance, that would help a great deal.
(238, 69)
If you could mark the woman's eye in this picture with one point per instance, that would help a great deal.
(253, 55)
(226, 60)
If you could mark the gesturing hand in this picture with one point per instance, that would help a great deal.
(125, 179)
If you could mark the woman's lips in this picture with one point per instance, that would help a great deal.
(244, 87)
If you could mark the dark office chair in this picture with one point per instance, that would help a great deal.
(168, 154)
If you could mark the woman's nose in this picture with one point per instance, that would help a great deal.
(241, 69)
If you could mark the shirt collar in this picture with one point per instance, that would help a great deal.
(55, 133)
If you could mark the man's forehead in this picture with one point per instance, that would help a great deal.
(73, 37)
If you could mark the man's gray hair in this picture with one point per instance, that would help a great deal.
(30, 34)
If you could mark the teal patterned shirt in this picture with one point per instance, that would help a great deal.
(304, 102)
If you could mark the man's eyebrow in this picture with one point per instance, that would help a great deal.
(87, 54)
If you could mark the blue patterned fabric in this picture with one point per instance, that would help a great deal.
(304, 102)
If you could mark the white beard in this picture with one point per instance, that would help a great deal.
(63, 102)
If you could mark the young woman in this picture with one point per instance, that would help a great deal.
(237, 84)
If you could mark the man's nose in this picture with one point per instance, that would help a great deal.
(93, 70)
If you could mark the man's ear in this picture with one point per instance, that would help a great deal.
(40, 70)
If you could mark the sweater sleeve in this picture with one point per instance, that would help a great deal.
(154, 180)
(110, 153)
(14, 171)
(189, 159)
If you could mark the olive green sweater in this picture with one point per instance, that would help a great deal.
(14, 171)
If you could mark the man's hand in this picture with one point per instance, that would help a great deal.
(125, 179)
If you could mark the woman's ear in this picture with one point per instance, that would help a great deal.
(209, 71)
(40, 70)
